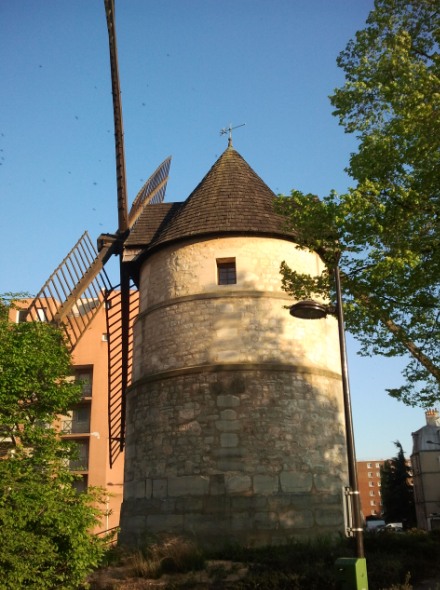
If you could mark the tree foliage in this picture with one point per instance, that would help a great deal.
(397, 490)
(385, 232)
(44, 522)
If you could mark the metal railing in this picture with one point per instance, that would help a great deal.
(72, 426)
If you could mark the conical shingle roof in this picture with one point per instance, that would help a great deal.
(231, 199)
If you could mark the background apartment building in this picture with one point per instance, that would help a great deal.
(369, 481)
(425, 461)
(87, 422)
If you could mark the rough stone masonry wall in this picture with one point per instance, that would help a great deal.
(251, 455)
(234, 426)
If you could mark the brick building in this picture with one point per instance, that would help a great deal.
(369, 482)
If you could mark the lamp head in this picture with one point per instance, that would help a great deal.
(309, 310)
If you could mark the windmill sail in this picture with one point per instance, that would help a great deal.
(75, 291)
(78, 288)
(122, 308)
(152, 192)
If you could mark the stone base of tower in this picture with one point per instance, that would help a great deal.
(237, 454)
(255, 520)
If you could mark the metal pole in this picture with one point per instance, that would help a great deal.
(349, 432)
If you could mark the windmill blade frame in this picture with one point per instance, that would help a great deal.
(77, 289)
(74, 293)
(151, 193)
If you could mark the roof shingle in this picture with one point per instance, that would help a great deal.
(231, 198)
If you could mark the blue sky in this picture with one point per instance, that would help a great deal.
(188, 69)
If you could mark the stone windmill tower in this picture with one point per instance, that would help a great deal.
(235, 427)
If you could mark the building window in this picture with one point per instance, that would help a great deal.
(372, 493)
(81, 460)
(416, 462)
(80, 485)
(378, 474)
(226, 271)
(377, 464)
(372, 502)
(85, 377)
(21, 315)
(369, 465)
(104, 337)
(371, 484)
(78, 421)
(41, 314)
(81, 419)
(370, 474)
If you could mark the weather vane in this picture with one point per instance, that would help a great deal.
(229, 130)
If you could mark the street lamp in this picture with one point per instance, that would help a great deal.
(313, 310)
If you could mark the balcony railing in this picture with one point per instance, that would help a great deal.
(72, 426)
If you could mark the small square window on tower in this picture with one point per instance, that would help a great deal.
(226, 271)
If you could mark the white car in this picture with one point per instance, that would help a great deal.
(391, 527)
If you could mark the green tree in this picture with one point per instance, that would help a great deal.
(397, 490)
(385, 232)
(44, 522)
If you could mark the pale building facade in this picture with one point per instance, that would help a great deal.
(425, 460)
(235, 424)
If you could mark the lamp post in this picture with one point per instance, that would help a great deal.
(312, 310)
